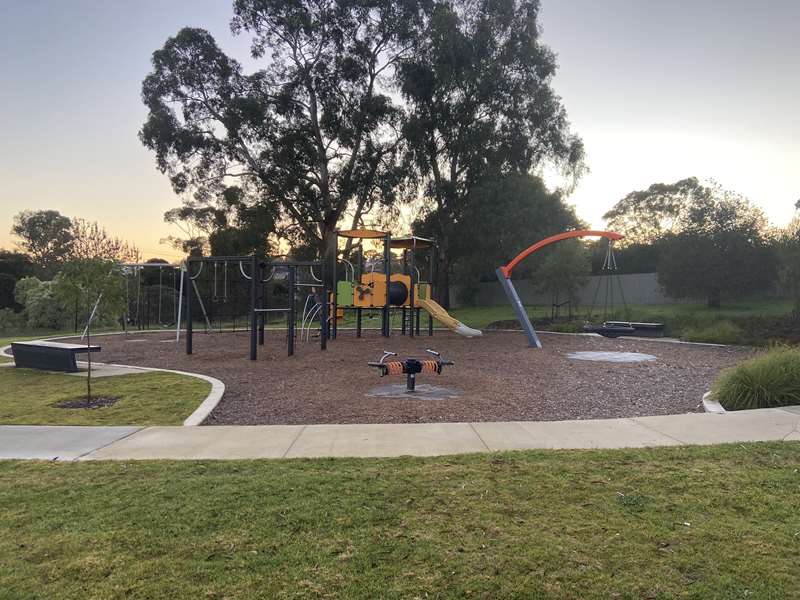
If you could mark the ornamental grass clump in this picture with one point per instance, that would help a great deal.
(769, 380)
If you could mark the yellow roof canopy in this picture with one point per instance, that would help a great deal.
(363, 234)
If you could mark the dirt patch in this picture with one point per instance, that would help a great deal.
(96, 402)
(496, 377)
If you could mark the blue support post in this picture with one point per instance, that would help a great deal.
(516, 303)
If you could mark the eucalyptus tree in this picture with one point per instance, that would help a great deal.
(46, 236)
(481, 105)
(313, 136)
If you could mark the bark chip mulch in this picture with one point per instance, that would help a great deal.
(95, 402)
(496, 377)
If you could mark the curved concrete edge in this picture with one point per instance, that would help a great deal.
(209, 404)
(206, 406)
(200, 413)
(712, 406)
(218, 388)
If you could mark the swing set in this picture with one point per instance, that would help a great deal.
(609, 277)
(140, 307)
(256, 292)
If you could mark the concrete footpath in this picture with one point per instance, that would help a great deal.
(385, 440)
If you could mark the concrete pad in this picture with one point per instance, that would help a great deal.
(224, 442)
(63, 443)
(792, 437)
(734, 426)
(423, 439)
(590, 433)
(792, 409)
(101, 370)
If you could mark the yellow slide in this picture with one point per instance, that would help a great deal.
(441, 315)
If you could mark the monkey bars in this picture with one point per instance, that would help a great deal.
(504, 274)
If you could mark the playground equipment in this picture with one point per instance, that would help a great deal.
(154, 298)
(247, 294)
(367, 288)
(608, 328)
(410, 367)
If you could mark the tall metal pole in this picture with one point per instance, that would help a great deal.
(179, 306)
(254, 279)
(334, 285)
(357, 280)
(432, 277)
(324, 331)
(290, 316)
(414, 313)
(188, 288)
(387, 263)
(262, 303)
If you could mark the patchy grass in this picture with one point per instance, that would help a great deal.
(749, 323)
(27, 398)
(720, 332)
(703, 522)
(766, 381)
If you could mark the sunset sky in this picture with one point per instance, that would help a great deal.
(658, 91)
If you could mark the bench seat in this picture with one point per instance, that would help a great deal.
(49, 356)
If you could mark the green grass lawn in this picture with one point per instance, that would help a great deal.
(702, 522)
(27, 398)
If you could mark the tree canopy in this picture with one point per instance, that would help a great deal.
(51, 239)
(481, 104)
(91, 241)
(499, 219)
(563, 269)
(310, 136)
(722, 249)
(644, 216)
(46, 236)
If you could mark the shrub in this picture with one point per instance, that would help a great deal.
(10, 321)
(769, 380)
(720, 332)
(41, 309)
(7, 285)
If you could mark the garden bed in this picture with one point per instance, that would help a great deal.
(495, 378)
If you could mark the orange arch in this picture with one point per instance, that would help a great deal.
(506, 270)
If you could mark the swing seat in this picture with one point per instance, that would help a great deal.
(642, 329)
(610, 331)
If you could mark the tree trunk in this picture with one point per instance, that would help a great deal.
(327, 253)
(442, 284)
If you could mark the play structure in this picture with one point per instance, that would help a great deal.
(411, 367)
(370, 286)
(608, 328)
(232, 293)
(151, 295)
(254, 290)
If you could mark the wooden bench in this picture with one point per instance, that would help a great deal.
(49, 356)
